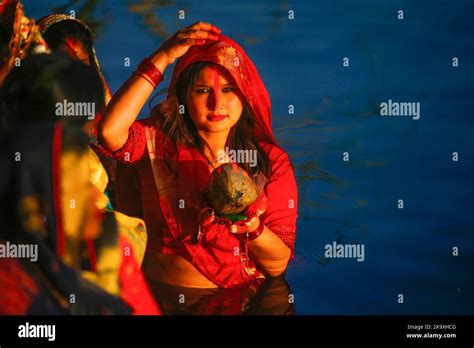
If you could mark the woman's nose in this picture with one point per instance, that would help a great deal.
(213, 100)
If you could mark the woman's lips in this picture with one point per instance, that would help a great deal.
(215, 117)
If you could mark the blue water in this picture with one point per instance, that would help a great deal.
(408, 251)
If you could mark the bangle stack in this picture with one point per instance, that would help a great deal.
(258, 231)
(147, 70)
(249, 236)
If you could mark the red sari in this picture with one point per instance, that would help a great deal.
(218, 254)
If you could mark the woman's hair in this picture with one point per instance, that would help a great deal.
(31, 92)
(57, 33)
(181, 129)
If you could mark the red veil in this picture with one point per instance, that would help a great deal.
(228, 54)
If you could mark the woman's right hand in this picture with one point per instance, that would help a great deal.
(195, 34)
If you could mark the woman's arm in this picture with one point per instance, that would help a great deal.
(269, 251)
(126, 104)
(274, 247)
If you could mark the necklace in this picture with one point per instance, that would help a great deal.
(218, 160)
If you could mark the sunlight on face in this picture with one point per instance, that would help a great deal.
(214, 101)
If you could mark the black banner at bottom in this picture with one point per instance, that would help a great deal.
(166, 330)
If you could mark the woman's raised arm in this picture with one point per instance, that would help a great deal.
(126, 104)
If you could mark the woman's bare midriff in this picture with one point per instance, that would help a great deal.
(175, 270)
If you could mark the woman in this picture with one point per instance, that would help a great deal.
(215, 100)
(47, 199)
(72, 37)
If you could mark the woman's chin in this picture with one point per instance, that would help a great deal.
(217, 128)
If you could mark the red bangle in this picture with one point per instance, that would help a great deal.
(255, 234)
(149, 71)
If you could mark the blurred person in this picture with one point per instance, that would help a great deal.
(71, 36)
(50, 199)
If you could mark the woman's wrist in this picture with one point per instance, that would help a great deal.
(148, 71)
(253, 231)
(161, 60)
(253, 234)
(255, 224)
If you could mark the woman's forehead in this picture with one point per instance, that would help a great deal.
(213, 74)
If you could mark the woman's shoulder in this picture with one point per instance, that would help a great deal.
(279, 160)
(275, 152)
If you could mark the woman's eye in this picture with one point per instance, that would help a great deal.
(201, 90)
(228, 89)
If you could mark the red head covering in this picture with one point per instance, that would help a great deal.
(230, 56)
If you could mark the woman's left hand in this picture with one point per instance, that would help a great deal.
(253, 213)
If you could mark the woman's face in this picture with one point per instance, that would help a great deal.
(214, 101)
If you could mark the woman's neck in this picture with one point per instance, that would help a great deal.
(215, 143)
